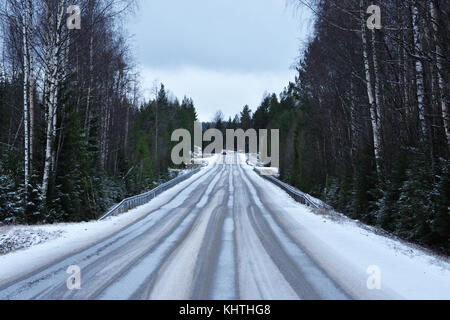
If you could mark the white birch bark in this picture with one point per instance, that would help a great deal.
(353, 149)
(91, 79)
(373, 115)
(31, 80)
(419, 71)
(54, 49)
(378, 99)
(25, 90)
(405, 81)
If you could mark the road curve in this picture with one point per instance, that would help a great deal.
(220, 238)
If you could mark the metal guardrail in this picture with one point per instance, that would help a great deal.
(297, 195)
(138, 200)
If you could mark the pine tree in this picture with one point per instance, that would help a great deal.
(246, 118)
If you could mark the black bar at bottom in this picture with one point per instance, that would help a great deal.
(193, 310)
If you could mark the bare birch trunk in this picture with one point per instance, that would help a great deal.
(54, 50)
(32, 81)
(406, 82)
(91, 79)
(25, 91)
(373, 114)
(353, 149)
(419, 71)
(378, 97)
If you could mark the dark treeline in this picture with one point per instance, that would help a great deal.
(151, 141)
(73, 138)
(365, 126)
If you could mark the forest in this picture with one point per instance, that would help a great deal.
(364, 125)
(74, 136)
(371, 133)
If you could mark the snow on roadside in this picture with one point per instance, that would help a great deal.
(269, 171)
(346, 249)
(22, 237)
(33, 247)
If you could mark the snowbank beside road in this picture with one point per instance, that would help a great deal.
(350, 252)
(14, 238)
(268, 171)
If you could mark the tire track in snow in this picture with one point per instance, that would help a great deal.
(52, 279)
(305, 276)
(175, 277)
(258, 275)
(224, 286)
(108, 269)
(151, 268)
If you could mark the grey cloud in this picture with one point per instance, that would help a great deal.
(244, 35)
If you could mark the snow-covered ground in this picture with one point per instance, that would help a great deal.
(268, 171)
(351, 254)
(50, 243)
(14, 238)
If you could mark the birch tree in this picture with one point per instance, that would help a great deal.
(372, 103)
(419, 70)
(26, 86)
(53, 50)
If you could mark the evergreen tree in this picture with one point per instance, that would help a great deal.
(246, 118)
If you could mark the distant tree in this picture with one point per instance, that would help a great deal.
(246, 118)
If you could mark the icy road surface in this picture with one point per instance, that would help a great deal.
(225, 234)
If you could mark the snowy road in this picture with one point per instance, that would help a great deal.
(220, 238)
(224, 233)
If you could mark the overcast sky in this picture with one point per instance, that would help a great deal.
(222, 53)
